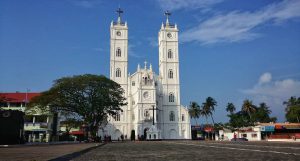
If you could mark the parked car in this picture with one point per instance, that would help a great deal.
(239, 139)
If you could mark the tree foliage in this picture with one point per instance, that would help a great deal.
(248, 107)
(209, 107)
(91, 97)
(194, 111)
(249, 114)
(230, 108)
(292, 109)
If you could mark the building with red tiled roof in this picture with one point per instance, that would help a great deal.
(37, 124)
(18, 97)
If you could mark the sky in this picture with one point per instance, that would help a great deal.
(231, 50)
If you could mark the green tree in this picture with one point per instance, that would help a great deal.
(209, 107)
(230, 108)
(292, 110)
(262, 114)
(194, 111)
(248, 107)
(91, 97)
(239, 119)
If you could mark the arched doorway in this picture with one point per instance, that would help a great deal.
(117, 134)
(132, 137)
(172, 134)
(145, 133)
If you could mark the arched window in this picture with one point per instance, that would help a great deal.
(118, 72)
(170, 54)
(182, 117)
(171, 97)
(172, 116)
(170, 74)
(118, 52)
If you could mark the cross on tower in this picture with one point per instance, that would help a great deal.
(119, 11)
(167, 13)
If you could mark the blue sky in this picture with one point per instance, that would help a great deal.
(229, 49)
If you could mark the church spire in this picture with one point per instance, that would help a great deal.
(167, 14)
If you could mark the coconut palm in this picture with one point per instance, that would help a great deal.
(230, 108)
(292, 109)
(248, 107)
(291, 102)
(209, 107)
(195, 111)
(204, 111)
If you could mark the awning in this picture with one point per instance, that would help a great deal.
(76, 133)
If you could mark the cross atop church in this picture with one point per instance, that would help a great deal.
(167, 13)
(119, 11)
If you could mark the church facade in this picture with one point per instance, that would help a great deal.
(153, 99)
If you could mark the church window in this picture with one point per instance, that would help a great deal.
(182, 117)
(117, 117)
(133, 83)
(118, 72)
(171, 97)
(170, 75)
(172, 116)
(146, 114)
(118, 52)
(170, 54)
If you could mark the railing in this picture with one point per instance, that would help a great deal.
(36, 124)
(119, 23)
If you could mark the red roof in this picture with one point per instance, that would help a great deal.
(18, 97)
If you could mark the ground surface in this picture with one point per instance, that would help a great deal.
(40, 152)
(195, 150)
(160, 150)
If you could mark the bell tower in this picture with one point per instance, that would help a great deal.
(169, 63)
(119, 51)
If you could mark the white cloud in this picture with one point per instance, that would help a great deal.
(265, 78)
(274, 93)
(186, 4)
(238, 26)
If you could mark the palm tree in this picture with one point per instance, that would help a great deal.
(195, 111)
(209, 107)
(291, 102)
(230, 108)
(292, 109)
(248, 107)
(204, 112)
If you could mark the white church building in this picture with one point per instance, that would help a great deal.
(153, 110)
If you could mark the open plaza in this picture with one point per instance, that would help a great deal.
(155, 150)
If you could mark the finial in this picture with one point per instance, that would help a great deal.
(138, 67)
(119, 11)
(145, 64)
(150, 67)
(167, 13)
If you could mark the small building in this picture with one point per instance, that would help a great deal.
(280, 131)
(38, 125)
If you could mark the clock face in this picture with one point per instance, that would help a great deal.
(146, 95)
(118, 33)
(169, 35)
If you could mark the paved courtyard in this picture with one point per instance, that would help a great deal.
(194, 150)
(157, 150)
